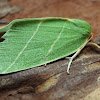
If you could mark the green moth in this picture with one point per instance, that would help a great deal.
(37, 41)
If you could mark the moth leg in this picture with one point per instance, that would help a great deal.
(45, 64)
(67, 57)
(94, 44)
(71, 59)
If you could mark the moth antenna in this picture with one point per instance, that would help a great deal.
(94, 44)
(91, 36)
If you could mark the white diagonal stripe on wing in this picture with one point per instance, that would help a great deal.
(24, 47)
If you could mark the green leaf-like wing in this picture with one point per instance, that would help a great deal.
(32, 42)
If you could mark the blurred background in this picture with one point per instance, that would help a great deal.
(88, 10)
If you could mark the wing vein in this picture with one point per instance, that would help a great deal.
(55, 41)
(24, 47)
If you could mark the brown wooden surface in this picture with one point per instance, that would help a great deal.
(52, 82)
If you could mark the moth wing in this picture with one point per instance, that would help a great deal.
(32, 43)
